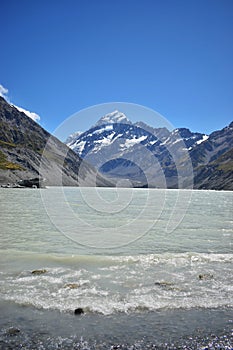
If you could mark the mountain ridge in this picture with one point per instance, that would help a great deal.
(119, 149)
(114, 148)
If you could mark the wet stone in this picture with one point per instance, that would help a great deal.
(78, 311)
(71, 285)
(38, 272)
(12, 331)
(205, 276)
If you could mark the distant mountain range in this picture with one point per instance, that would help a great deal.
(156, 157)
(28, 151)
(120, 150)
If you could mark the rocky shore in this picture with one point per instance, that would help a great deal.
(29, 328)
(27, 183)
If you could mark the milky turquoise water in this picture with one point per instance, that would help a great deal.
(128, 252)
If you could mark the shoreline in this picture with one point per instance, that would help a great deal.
(164, 329)
(17, 186)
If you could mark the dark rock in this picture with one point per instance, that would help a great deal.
(12, 331)
(166, 285)
(78, 311)
(39, 272)
(32, 183)
(71, 285)
(205, 276)
(163, 284)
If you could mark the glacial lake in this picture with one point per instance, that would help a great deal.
(147, 267)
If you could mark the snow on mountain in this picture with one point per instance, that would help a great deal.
(79, 147)
(70, 139)
(204, 138)
(188, 138)
(105, 128)
(113, 117)
(134, 141)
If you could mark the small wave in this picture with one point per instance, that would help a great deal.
(109, 294)
(176, 258)
(72, 259)
(110, 306)
(112, 284)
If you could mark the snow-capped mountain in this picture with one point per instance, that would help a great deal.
(145, 155)
(157, 157)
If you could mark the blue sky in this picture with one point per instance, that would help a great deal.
(173, 56)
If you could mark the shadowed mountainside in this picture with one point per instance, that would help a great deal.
(29, 151)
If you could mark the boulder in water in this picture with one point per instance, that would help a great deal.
(166, 285)
(205, 276)
(38, 272)
(78, 311)
(163, 284)
(71, 285)
(36, 182)
(12, 331)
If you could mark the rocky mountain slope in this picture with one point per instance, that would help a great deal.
(156, 157)
(213, 161)
(29, 151)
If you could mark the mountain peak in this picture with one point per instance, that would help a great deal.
(112, 118)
